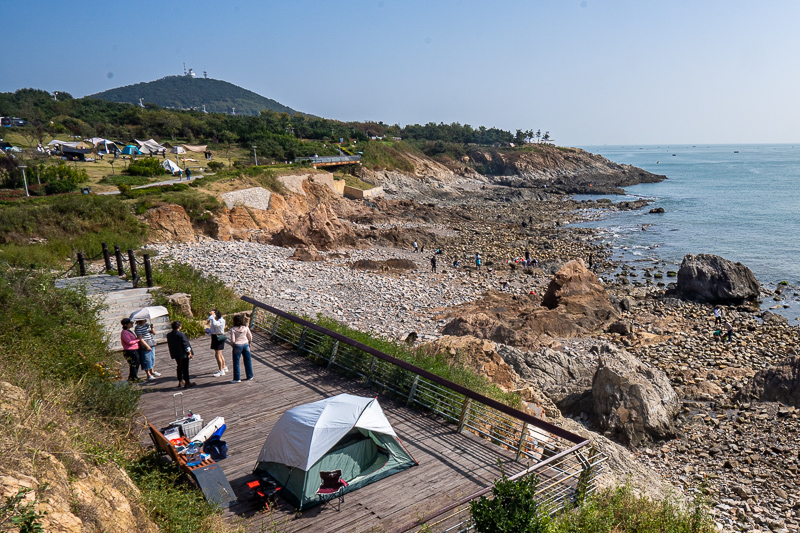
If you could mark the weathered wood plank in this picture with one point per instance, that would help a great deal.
(451, 465)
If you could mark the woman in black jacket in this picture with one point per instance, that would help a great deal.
(181, 351)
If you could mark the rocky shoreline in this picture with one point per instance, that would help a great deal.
(744, 452)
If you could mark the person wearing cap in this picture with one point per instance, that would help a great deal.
(130, 349)
(147, 348)
(181, 351)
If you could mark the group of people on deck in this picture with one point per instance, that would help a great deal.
(139, 348)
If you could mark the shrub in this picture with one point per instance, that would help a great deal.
(63, 173)
(131, 181)
(216, 166)
(207, 291)
(60, 187)
(513, 509)
(149, 166)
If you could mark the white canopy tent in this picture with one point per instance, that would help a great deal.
(150, 146)
(171, 167)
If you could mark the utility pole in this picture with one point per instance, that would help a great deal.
(255, 156)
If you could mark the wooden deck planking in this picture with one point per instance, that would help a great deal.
(451, 465)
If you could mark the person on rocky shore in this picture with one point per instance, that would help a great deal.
(416, 246)
(216, 327)
(729, 331)
(717, 316)
(433, 263)
(181, 351)
(478, 261)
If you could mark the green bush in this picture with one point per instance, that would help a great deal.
(60, 187)
(131, 181)
(513, 508)
(149, 166)
(62, 173)
(216, 166)
(621, 510)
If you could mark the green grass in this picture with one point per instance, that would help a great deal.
(621, 510)
(174, 505)
(437, 363)
(378, 155)
(67, 225)
(207, 291)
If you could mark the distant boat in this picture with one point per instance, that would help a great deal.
(736, 151)
(673, 155)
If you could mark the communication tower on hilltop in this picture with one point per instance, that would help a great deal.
(190, 73)
(184, 68)
(234, 111)
(205, 75)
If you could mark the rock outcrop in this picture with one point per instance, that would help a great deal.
(780, 383)
(633, 401)
(575, 304)
(169, 223)
(714, 279)
(567, 170)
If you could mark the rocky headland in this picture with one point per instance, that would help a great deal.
(624, 354)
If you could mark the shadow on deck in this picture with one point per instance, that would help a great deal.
(451, 466)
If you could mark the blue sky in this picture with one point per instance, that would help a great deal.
(590, 72)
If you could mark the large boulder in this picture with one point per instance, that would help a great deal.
(576, 291)
(482, 326)
(779, 383)
(565, 379)
(169, 223)
(633, 402)
(714, 279)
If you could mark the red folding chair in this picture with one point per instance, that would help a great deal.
(332, 486)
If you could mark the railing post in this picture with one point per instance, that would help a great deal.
(413, 390)
(274, 328)
(371, 370)
(334, 351)
(522, 439)
(81, 264)
(134, 274)
(302, 341)
(148, 270)
(106, 256)
(464, 414)
(118, 254)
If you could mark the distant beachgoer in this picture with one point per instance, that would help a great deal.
(478, 261)
(527, 257)
(216, 327)
(130, 350)
(416, 246)
(717, 315)
(240, 339)
(181, 351)
(729, 331)
(456, 263)
(188, 174)
(524, 224)
(530, 220)
(433, 263)
(505, 285)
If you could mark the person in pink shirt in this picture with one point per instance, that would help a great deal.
(130, 349)
(240, 338)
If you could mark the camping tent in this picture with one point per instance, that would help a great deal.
(103, 145)
(170, 166)
(131, 150)
(178, 150)
(195, 147)
(345, 432)
(150, 146)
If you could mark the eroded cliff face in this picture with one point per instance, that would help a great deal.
(566, 170)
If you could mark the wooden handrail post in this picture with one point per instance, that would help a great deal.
(134, 273)
(118, 254)
(522, 439)
(148, 270)
(106, 256)
(334, 351)
(462, 420)
(81, 264)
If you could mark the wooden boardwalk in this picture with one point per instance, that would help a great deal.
(451, 465)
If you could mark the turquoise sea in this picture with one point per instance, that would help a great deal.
(741, 202)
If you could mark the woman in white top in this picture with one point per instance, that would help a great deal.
(240, 339)
(216, 327)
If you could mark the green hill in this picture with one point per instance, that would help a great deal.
(186, 92)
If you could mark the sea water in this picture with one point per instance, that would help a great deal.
(741, 202)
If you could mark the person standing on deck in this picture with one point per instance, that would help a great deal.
(240, 339)
(216, 327)
(181, 351)
(130, 347)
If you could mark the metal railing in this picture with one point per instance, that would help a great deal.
(566, 464)
(329, 159)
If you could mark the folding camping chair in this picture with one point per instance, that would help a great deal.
(265, 489)
(332, 486)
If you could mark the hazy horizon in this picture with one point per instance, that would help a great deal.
(590, 73)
